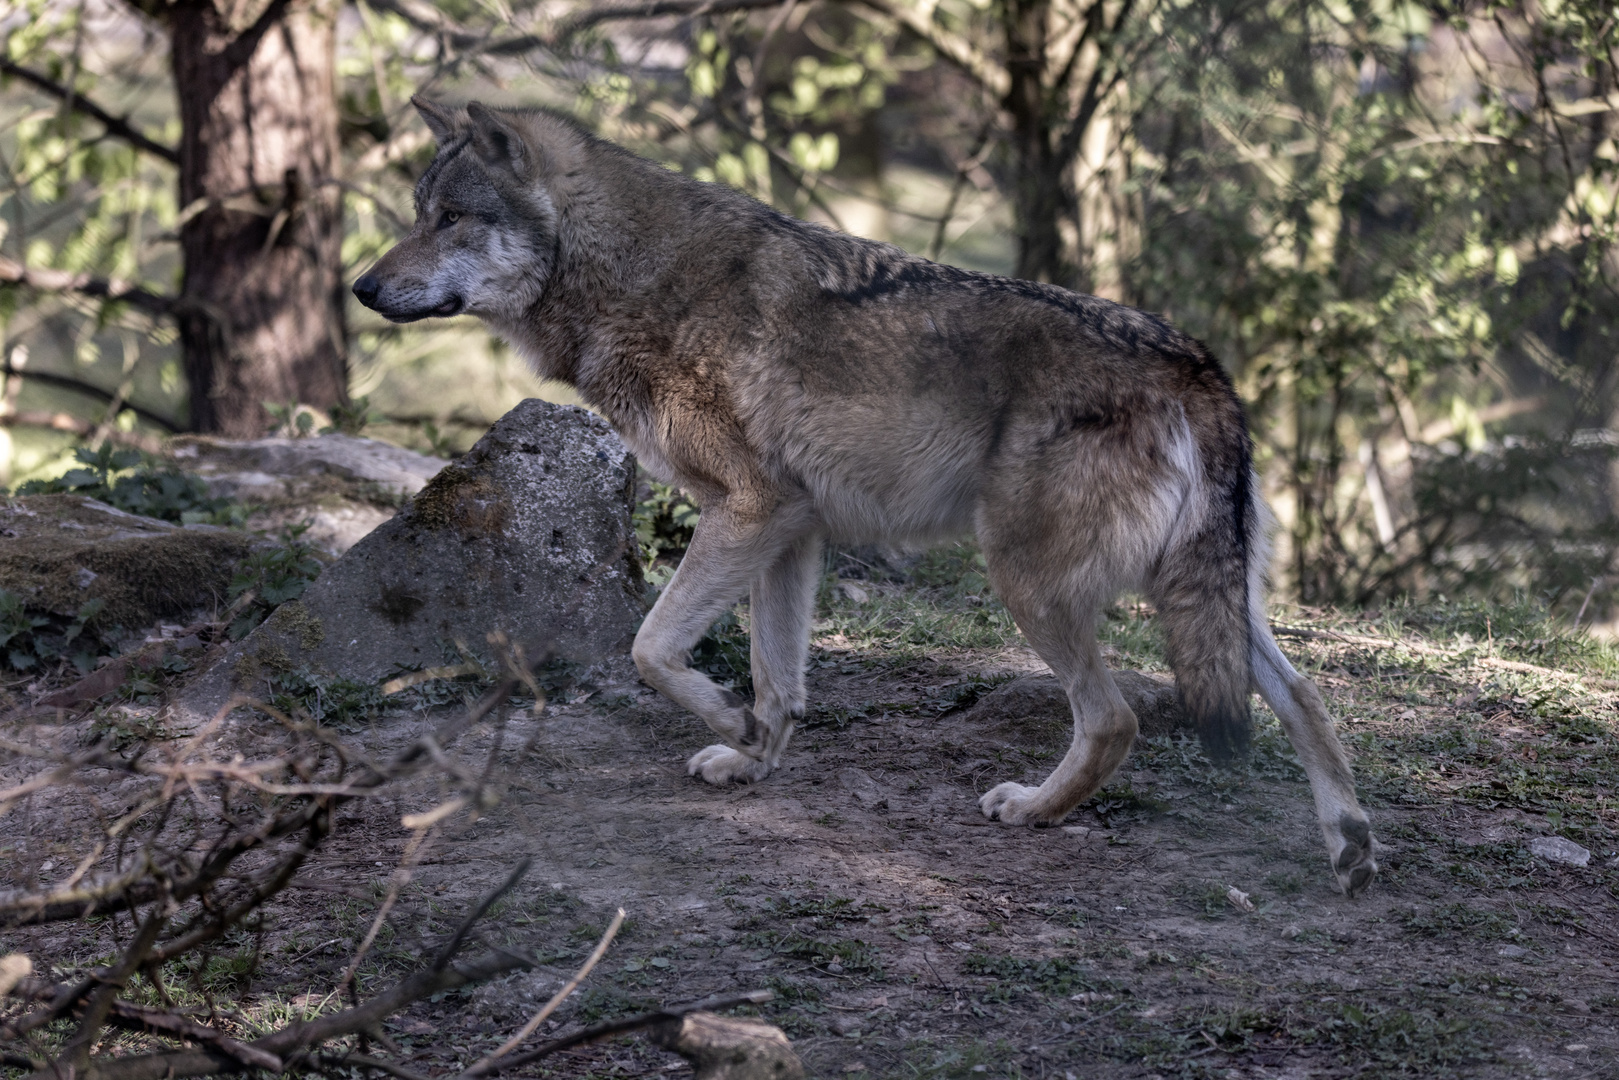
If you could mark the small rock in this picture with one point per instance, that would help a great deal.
(1576, 1005)
(961, 946)
(1239, 899)
(83, 576)
(344, 486)
(1512, 951)
(1290, 932)
(867, 792)
(1080, 831)
(853, 592)
(1559, 850)
(14, 968)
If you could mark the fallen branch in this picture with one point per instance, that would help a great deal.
(609, 1028)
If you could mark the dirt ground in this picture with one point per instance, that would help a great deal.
(904, 935)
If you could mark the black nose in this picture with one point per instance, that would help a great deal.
(367, 289)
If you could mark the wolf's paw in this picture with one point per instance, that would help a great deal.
(719, 764)
(1012, 803)
(1355, 863)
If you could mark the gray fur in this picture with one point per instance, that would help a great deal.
(806, 386)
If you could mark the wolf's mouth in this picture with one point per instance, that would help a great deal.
(452, 306)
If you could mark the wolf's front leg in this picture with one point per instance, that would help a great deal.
(782, 604)
(724, 557)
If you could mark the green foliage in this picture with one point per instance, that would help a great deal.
(724, 654)
(30, 638)
(291, 419)
(136, 484)
(339, 703)
(664, 519)
(351, 418)
(269, 578)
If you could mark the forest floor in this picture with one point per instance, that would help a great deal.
(906, 936)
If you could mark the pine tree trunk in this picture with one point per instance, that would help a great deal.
(261, 315)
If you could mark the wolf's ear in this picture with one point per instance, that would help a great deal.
(498, 141)
(440, 121)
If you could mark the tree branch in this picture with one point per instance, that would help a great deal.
(63, 422)
(117, 127)
(241, 50)
(15, 273)
(73, 425)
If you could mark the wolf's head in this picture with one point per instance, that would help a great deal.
(484, 241)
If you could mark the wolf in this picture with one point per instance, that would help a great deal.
(806, 386)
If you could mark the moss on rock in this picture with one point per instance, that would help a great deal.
(58, 551)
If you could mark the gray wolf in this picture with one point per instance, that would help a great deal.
(807, 386)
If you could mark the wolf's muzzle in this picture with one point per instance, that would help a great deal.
(367, 289)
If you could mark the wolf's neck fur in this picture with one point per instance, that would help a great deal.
(639, 250)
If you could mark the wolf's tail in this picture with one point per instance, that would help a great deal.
(1208, 579)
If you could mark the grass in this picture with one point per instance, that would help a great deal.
(1012, 976)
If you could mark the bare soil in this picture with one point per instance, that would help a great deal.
(905, 935)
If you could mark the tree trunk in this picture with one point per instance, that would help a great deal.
(1039, 198)
(261, 311)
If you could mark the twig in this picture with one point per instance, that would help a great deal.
(482, 1066)
(452, 946)
(15, 273)
(119, 127)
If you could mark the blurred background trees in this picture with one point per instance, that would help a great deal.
(1394, 222)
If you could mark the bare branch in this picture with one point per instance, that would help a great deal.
(73, 425)
(633, 1023)
(15, 273)
(483, 1066)
(452, 946)
(117, 127)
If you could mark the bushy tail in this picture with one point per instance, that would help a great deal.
(1202, 593)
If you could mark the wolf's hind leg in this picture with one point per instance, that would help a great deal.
(1104, 726)
(781, 605)
(1297, 703)
(724, 557)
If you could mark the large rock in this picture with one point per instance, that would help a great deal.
(344, 486)
(58, 551)
(528, 534)
(1033, 710)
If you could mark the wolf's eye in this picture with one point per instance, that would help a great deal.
(450, 218)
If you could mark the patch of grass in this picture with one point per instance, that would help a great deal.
(1013, 976)
(849, 954)
(825, 911)
(1460, 919)
(1395, 1041)
(925, 1059)
(609, 1003)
